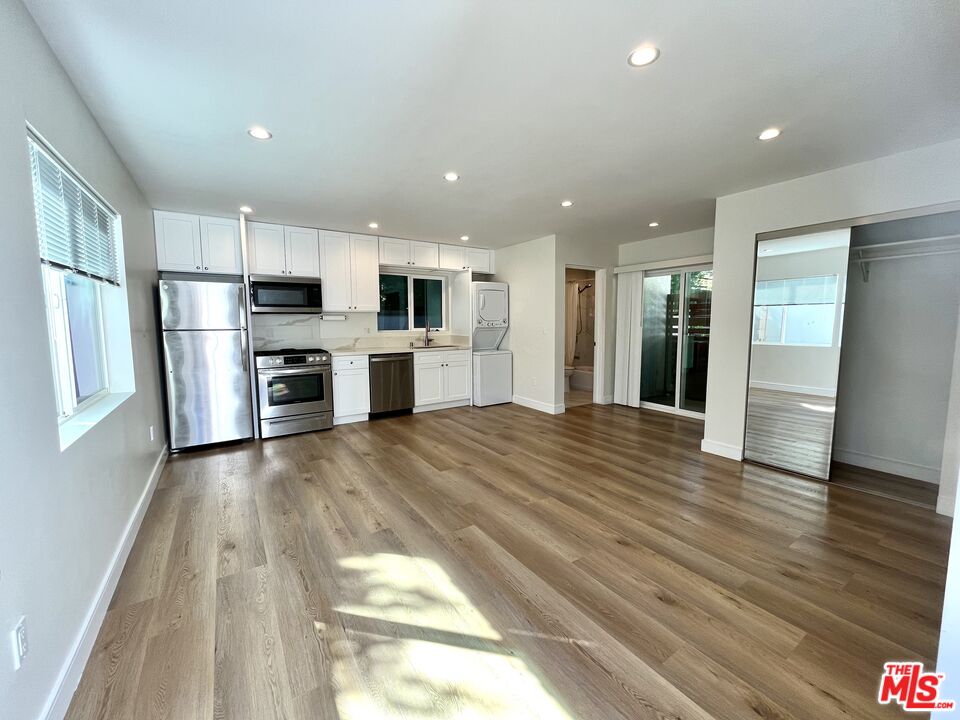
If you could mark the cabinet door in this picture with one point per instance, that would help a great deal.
(456, 381)
(220, 245)
(178, 241)
(478, 260)
(351, 392)
(428, 384)
(302, 251)
(266, 247)
(452, 257)
(335, 272)
(365, 271)
(424, 255)
(394, 251)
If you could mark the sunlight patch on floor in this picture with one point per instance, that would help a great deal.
(413, 646)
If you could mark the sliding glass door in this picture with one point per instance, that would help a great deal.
(676, 339)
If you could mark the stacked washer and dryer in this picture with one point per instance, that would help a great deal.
(492, 367)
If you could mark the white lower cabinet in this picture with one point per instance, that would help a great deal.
(441, 377)
(351, 388)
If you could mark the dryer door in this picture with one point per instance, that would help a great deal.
(492, 305)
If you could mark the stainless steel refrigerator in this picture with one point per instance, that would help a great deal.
(204, 326)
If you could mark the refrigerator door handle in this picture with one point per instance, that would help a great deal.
(243, 350)
(241, 292)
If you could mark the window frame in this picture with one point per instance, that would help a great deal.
(784, 307)
(445, 307)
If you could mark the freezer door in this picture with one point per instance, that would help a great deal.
(199, 305)
(208, 386)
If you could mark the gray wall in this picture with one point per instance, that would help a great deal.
(62, 514)
(896, 365)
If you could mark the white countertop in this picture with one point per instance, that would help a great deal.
(384, 350)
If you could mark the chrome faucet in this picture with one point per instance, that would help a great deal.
(426, 334)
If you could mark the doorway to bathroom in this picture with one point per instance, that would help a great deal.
(581, 335)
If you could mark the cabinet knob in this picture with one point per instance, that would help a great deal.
(206, 268)
(198, 267)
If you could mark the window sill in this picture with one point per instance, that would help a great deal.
(76, 426)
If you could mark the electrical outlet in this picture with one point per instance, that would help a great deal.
(20, 645)
(151, 433)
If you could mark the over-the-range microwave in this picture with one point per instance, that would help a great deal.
(270, 294)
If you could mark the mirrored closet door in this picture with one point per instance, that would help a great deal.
(798, 303)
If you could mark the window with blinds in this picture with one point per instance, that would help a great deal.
(77, 232)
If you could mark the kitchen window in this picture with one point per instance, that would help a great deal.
(795, 311)
(409, 302)
(78, 237)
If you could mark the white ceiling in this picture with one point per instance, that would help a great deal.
(532, 101)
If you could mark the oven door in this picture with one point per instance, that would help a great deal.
(288, 295)
(294, 391)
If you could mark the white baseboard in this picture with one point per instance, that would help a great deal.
(734, 452)
(946, 505)
(441, 405)
(607, 400)
(924, 473)
(538, 405)
(59, 699)
(347, 419)
(800, 389)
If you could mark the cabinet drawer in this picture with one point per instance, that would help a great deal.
(440, 356)
(351, 362)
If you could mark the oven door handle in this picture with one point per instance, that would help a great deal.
(318, 370)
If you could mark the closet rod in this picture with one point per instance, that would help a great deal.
(905, 242)
(905, 255)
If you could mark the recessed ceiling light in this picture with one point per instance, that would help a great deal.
(373, 225)
(259, 132)
(566, 203)
(451, 176)
(464, 237)
(769, 134)
(246, 209)
(654, 224)
(643, 55)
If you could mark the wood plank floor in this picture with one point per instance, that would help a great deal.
(503, 563)
(789, 430)
(915, 492)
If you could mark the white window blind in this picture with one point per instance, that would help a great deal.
(76, 230)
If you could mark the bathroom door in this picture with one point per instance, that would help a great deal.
(676, 339)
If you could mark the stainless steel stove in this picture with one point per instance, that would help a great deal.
(295, 391)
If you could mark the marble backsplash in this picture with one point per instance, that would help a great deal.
(282, 331)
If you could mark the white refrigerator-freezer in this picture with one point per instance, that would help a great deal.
(492, 377)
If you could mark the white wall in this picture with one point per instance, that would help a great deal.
(796, 368)
(667, 247)
(61, 514)
(530, 268)
(898, 351)
(918, 178)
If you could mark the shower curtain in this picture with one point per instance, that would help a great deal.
(572, 310)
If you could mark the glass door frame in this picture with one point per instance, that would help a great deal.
(681, 270)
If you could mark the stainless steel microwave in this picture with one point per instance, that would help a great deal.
(285, 295)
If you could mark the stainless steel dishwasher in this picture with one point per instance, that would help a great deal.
(391, 383)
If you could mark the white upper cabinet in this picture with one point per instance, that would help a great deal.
(220, 245)
(302, 250)
(365, 273)
(453, 257)
(398, 252)
(480, 260)
(267, 250)
(424, 255)
(335, 272)
(191, 243)
(178, 241)
(351, 273)
(394, 251)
